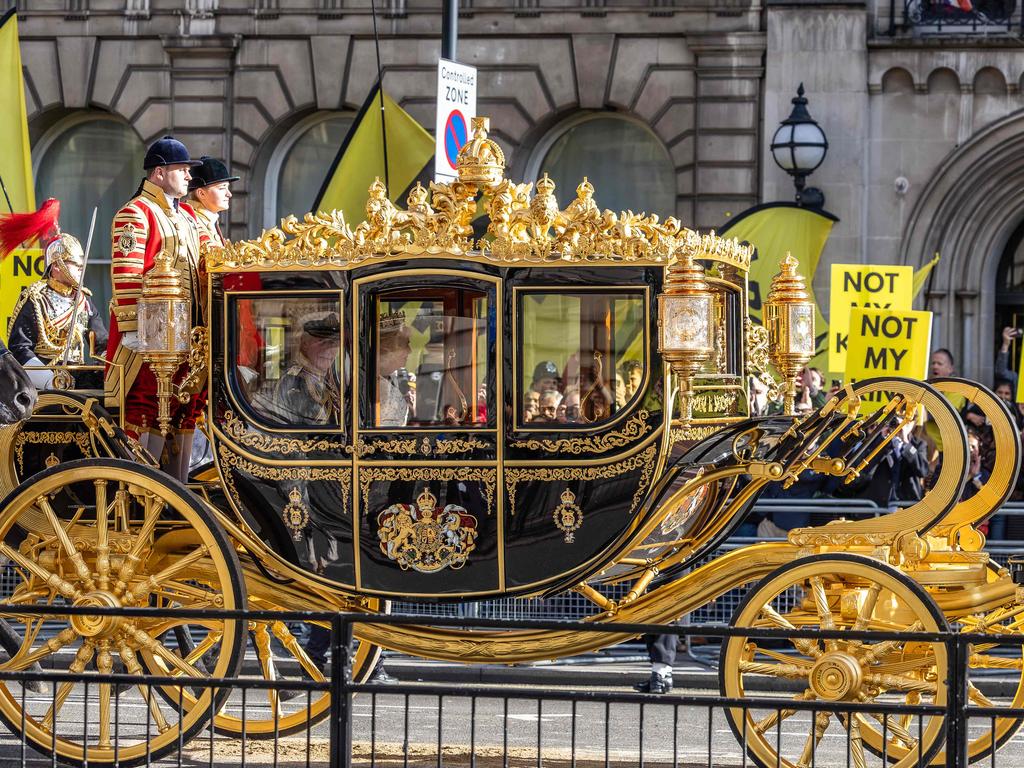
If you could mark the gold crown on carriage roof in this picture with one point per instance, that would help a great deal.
(526, 225)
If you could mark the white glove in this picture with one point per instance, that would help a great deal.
(130, 340)
(41, 378)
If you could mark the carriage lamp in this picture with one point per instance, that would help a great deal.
(789, 317)
(686, 324)
(164, 326)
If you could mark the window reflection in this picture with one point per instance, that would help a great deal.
(582, 356)
(432, 358)
(288, 359)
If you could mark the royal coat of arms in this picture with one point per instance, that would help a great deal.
(421, 538)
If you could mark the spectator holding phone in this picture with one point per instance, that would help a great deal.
(1004, 368)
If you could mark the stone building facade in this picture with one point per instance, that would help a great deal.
(673, 101)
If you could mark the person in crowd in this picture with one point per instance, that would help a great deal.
(899, 472)
(941, 364)
(758, 397)
(977, 475)
(547, 407)
(545, 377)
(1004, 368)
(1004, 391)
(810, 397)
(569, 407)
(633, 374)
(619, 391)
(531, 405)
(976, 422)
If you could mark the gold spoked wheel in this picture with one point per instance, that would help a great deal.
(281, 652)
(836, 592)
(108, 532)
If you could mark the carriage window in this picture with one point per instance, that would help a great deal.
(582, 357)
(432, 358)
(288, 359)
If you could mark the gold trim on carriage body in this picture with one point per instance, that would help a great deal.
(523, 228)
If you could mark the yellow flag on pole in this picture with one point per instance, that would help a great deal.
(16, 157)
(361, 158)
(776, 229)
(921, 275)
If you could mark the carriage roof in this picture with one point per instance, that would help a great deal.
(526, 228)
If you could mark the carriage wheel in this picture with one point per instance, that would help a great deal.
(1005, 656)
(279, 650)
(108, 532)
(837, 591)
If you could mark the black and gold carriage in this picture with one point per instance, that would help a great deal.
(406, 408)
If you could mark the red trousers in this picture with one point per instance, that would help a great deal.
(141, 406)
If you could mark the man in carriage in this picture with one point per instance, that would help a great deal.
(53, 317)
(152, 222)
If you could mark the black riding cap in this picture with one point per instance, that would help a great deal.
(167, 151)
(323, 328)
(211, 171)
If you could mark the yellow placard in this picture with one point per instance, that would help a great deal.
(887, 343)
(860, 285)
(21, 268)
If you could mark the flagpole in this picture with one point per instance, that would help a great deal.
(380, 92)
(7, 197)
(449, 29)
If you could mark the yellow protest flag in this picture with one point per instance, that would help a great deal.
(776, 229)
(920, 275)
(19, 270)
(862, 285)
(16, 158)
(884, 342)
(360, 159)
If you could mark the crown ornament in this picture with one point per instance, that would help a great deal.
(426, 502)
(480, 161)
(392, 321)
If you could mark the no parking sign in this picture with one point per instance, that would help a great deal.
(456, 108)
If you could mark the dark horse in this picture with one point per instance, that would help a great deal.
(17, 399)
(17, 395)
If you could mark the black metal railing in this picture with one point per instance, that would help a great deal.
(954, 16)
(448, 724)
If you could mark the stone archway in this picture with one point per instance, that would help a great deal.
(967, 212)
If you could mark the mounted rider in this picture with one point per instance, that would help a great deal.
(55, 306)
(151, 223)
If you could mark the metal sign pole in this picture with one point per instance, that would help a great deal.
(449, 29)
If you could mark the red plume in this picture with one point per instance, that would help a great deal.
(18, 228)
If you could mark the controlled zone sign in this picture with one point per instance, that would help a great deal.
(859, 285)
(456, 108)
(887, 343)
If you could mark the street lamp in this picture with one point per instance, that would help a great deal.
(798, 147)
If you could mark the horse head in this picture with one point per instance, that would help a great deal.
(17, 394)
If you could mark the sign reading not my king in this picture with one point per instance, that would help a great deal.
(860, 285)
(887, 343)
(456, 108)
(20, 269)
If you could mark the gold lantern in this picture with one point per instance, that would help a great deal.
(686, 324)
(789, 317)
(164, 327)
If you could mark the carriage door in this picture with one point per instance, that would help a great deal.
(425, 432)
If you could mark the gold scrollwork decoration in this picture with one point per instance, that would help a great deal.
(635, 428)
(449, 445)
(758, 361)
(195, 379)
(523, 228)
(80, 439)
(370, 447)
(240, 433)
(644, 461)
(231, 461)
(487, 477)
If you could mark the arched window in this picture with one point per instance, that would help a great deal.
(627, 164)
(89, 160)
(300, 164)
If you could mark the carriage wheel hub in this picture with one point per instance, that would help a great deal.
(836, 676)
(96, 626)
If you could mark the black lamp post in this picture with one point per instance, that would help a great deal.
(798, 147)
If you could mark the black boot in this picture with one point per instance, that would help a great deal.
(656, 684)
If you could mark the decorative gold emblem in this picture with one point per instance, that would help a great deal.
(80, 439)
(235, 429)
(568, 516)
(418, 538)
(296, 514)
(127, 242)
(51, 461)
